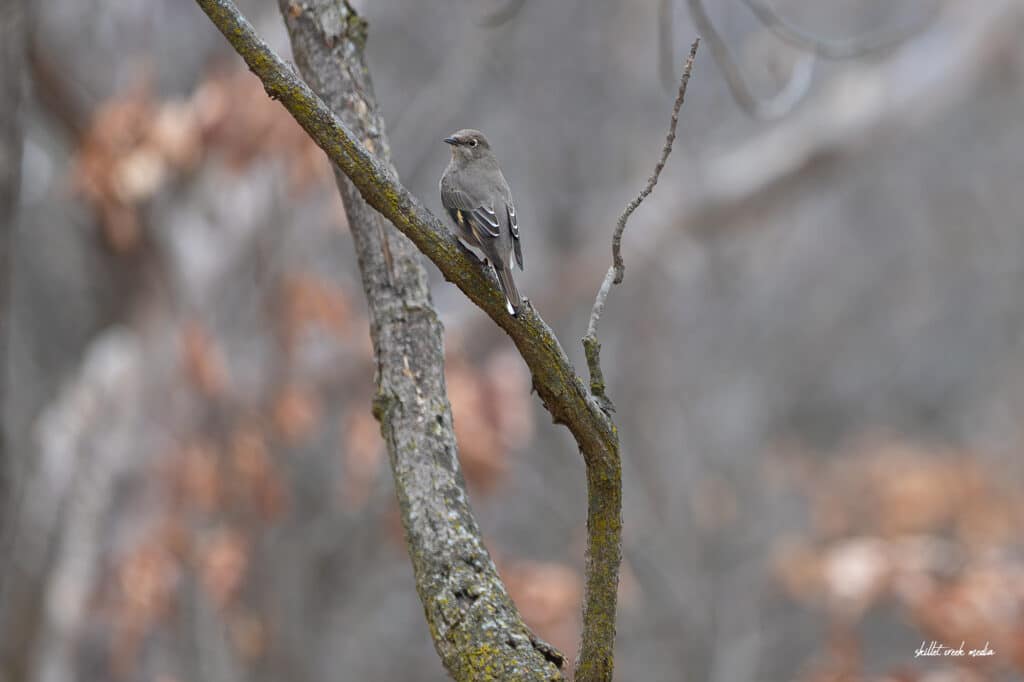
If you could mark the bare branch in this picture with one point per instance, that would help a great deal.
(775, 107)
(840, 48)
(465, 602)
(800, 78)
(561, 390)
(836, 125)
(617, 271)
(670, 138)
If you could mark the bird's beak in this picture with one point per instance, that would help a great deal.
(451, 140)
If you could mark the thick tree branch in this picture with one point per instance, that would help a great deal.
(617, 271)
(562, 391)
(476, 628)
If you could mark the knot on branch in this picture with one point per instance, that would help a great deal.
(592, 349)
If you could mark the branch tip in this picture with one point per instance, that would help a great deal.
(617, 271)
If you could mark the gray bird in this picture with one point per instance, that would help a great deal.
(477, 197)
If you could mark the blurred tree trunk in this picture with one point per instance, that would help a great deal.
(12, 56)
(13, 41)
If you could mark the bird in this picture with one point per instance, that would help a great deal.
(477, 198)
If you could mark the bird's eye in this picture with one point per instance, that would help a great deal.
(472, 143)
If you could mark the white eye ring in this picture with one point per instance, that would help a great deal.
(472, 143)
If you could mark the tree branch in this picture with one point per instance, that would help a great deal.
(476, 628)
(800, 79)
(617, 271)
(561, 390)
(774, 107)
(670, 138)
(840, 48)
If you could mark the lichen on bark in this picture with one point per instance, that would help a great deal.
(325, 57)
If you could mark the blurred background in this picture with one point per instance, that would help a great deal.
(817, 354)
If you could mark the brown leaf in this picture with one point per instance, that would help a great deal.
(244, 125)
(549, 597)
(199, 481)
(798, 568)
(296, 413)
(249, 635)
(146, 578)
(223, 563)
(175, 135)
(137, 175)
(120, 223)
(313, 302)
(256, 480)
(509, 389)
(481, 451)
(855, 572)
(204, 364)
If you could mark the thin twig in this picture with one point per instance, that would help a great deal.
(670, 138)
(560, 388)
(816, 46)
(618, 269)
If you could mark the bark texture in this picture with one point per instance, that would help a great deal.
(563, 392)
(475, 626)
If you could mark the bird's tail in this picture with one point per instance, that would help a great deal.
(508, 287)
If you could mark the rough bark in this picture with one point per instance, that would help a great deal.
(563, 392)
(475, 626)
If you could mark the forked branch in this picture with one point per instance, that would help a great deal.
(562, 391)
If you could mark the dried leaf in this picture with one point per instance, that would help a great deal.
(855, 573)
(549, 597)
(296, 413)
(481, 451)
(313, 302)
(199, 479)
(223, 563)
(509, 388)
(204, 364)
(248, 635)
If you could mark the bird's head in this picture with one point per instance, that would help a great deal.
(468, 144)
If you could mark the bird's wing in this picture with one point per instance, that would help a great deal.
(514, 227)
(465, 209)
